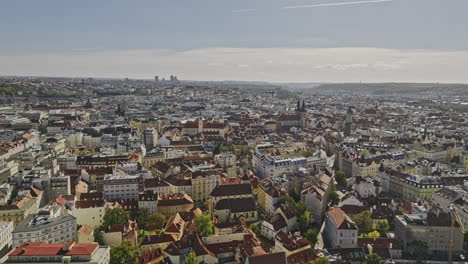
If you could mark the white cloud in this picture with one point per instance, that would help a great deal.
(337, 4)
(243, 10)
(259, 64)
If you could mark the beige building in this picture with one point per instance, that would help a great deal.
(90, 212)
(170, 204)
(203, 182)
(18, 211)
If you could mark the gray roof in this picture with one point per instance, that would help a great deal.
(35, 222)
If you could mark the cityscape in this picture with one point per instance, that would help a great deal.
(173, 171)
(234, 132)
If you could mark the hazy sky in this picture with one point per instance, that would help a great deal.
(261, 40)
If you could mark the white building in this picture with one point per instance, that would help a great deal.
(148, 200)
(45, 227)
(226, 160)
(120, 185)
(340, 230)
(267, 166)
(6, 238)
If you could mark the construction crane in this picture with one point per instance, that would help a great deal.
(454, 217)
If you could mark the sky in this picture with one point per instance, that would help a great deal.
(251, 40)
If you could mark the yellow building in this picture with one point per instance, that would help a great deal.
(17, 212)
(151, 158)
(143, 124)
(170, 204)
(203, 182)
(368, 168)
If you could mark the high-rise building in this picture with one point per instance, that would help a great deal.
(150, 137)
(156, 78)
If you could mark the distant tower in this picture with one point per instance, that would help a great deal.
(348, 122)
(88, 104)
(156, 78)
(301, 111)
(200, 125)
(120, 111)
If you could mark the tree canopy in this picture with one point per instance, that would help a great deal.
(321, 261)
(373, 259)
(140, 216)
(304, 221)
(204, 225)
(191, 258)
(363, 220)
(311, 234)
(115, 216)
(124, 254)
(255, 228)
(340, 178)
(156, 221)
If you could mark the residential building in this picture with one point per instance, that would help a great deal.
(434, 228)
(203, 182)
(340, 230)
(45, 226)
(6, 237)
(148, 200)
(120, 185)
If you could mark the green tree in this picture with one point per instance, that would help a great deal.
(311, 234)
(124, 254)
(301, 208)
(304, 221)
(373, 259)
(363, 220)
(115, 216)
(286, 198)
(295, 195)
(256, 229)
(373, 234)
(333, 199)
(321, 261)
(340, 178)
(140, 216)
(42, 128)
(204, 225)
(191, 258)
(156, 221)
(419, 250)
(384, 227)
